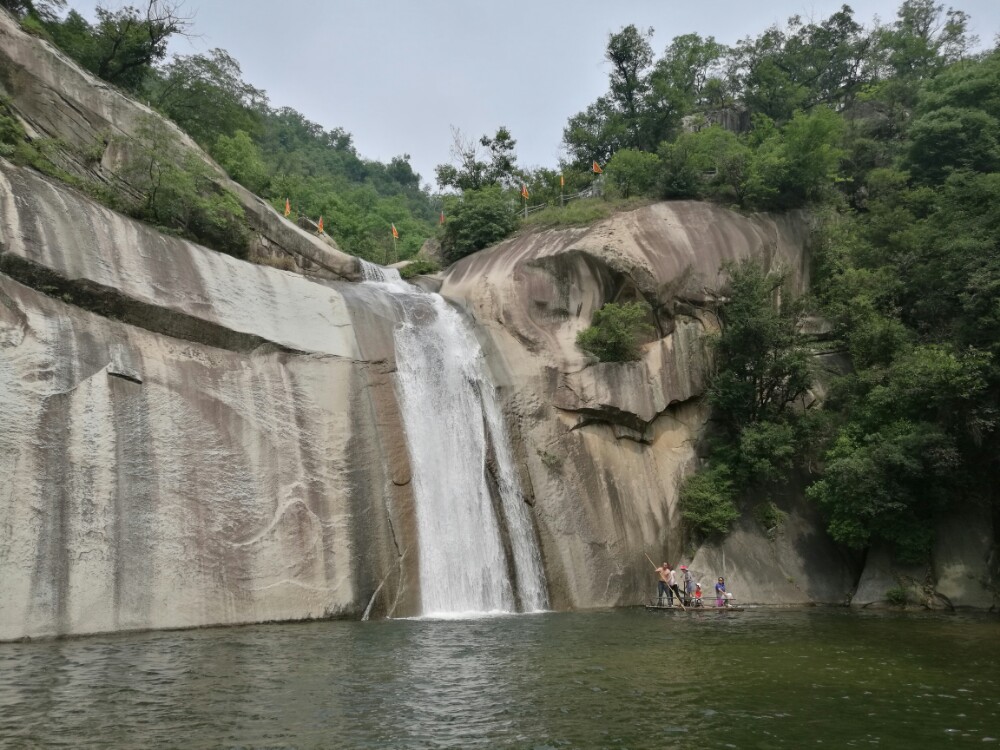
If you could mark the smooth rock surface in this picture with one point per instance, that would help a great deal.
(606, 446)
(187, 439)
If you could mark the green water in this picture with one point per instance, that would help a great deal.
(610, 679)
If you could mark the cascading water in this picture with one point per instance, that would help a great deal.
(452, 417)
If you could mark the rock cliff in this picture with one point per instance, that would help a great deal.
(187, 439)
(606, 446)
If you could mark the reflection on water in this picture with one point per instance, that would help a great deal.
(622, 679)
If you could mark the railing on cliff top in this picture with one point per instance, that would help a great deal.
(593, 191)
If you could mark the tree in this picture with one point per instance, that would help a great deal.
(207, 96)
(616, 331)
(476, 169)
(950, 139)
(633, 172)
(241, 158)
(708, 501)
(762, 365)
(631, 56)
(681, 77)
(124, 45)
(477, 219)
(44, 10)
(796, 68)
(595, 134)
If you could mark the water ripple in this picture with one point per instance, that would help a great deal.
(625, 679)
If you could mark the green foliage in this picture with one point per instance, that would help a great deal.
(179, 192)
(762, 368)
(617, 331)
(11, 131)
(475, 170)
(207, 97)
(889, 485)
(762, 365)
(898, 596)
(769, 515)
(911, 285)
(950, 139)
(708, 501)
(241, 158)
(124, 45)
(420, 267)
(632, 172)
(477, 219)
(275, 152)
(769, 168)
(35, 27)
(39, 10)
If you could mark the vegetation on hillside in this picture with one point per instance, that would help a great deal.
(275, 152)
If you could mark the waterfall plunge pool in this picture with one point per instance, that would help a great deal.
(762, 678)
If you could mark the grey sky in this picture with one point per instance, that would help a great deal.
(397, 74)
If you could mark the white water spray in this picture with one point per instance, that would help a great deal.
(452, 417)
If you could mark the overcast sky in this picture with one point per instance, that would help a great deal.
(398, 74)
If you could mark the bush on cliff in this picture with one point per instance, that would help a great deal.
(708, 501)
(616, 332)
(180, 194)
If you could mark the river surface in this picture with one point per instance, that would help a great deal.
(606, 679)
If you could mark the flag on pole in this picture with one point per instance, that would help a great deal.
(395, 234)
(562, 181)
(524, 191)
(288, 207)
(319, 227)
(442, 218)
(597, 168)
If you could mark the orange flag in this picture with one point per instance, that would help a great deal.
(524, 191)
(319, 227)
(597, 168)
(288, 207)
(395, 234)
(442, 218)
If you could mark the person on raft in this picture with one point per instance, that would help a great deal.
(672, 583)
(663, 585)
(722, 597)
(688, 584)
(697, 595)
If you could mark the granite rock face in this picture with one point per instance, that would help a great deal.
(186, 438)
(606, 446)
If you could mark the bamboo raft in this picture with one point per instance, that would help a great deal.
(690, 608)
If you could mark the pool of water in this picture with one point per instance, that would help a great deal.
(607, 679)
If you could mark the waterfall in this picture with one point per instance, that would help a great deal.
(451, 415)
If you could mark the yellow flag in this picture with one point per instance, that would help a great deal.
(319, 227)
(288, 207)
(562, 181)
(395, 234)
(524, 191)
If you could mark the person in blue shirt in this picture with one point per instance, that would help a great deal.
(720, 592)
